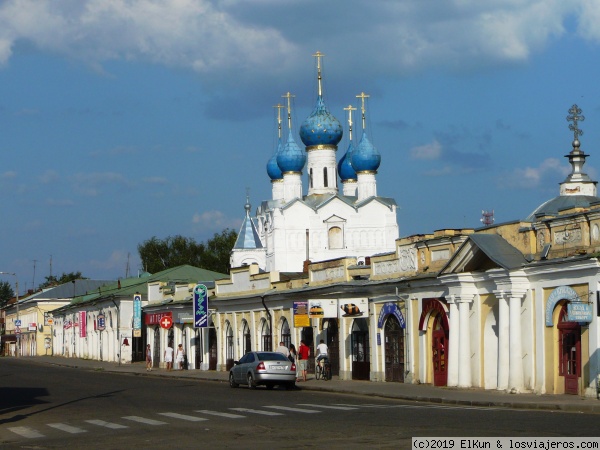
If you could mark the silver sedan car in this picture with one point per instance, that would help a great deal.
(263, 368)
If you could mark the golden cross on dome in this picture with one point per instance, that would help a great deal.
(362, 97)
(289, 108)
(279, 106)
(319, 55)
(350, 108)
(575, 116)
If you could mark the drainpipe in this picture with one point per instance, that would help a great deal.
(262, 298)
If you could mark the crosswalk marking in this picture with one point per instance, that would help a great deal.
(288, 408)
(26, 432)
(183, 417)
(67, 428)
(221, 414)
(144, 420)
(102, 423)
(342, 408)
(257, 411)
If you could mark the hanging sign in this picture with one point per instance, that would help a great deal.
(301, 318)
(579, 312)
(101, 322)
(82, 323)
(137, 311)
(200, 306)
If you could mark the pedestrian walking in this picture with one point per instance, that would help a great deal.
(180, 356)
(148, 358)
(283, 349)
(303, 355)
(169, 357)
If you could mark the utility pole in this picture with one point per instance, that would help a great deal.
(33, 281)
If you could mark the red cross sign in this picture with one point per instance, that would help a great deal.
(166, 322)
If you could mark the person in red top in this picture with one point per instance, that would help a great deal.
(303, 354)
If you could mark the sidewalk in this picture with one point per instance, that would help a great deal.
(414, 392)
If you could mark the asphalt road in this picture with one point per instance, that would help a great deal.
(56, 407)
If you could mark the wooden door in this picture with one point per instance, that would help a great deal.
(333, 345)
(570, 352)
(361, 365)
(394, 350)
(439, 350)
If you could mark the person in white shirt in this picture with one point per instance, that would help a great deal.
(322, 350)
(283, 349)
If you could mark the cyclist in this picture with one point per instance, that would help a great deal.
(322, 350)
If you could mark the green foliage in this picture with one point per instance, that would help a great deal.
(160, 254)
(64, 278)
(6, 293)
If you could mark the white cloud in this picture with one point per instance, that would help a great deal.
(427, 151)
(10, 175)
(243, 37)
(49, 176)
(532, 177)
(91, 184)
(214, 220)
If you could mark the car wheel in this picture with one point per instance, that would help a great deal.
(251, 383)
(270, 386)
(232, 382)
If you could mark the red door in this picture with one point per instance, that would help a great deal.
(439, 349)
(570, 352)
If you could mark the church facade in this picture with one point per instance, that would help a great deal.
(511, 307)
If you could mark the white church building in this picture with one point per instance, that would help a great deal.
(323, 223)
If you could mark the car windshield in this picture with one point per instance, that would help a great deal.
(271, 356)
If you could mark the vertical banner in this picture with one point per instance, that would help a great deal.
(137, 315)
(82, 324)
(200, 306)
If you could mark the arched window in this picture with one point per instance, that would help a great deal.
(325, 176)
(286, 337)
(246, 338)
(266, 336)
(310, 177)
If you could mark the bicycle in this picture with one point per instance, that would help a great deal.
(323, 369)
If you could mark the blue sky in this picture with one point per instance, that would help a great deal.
(126, 119)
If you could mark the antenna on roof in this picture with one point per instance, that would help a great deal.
(487, 218)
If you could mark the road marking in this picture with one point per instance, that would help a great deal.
(26, 432)
(183, 417)
(342, 408)
(102, 423)
(144, 420)
(221, 414)
(300, 410)
(67, 428)
(257, 411)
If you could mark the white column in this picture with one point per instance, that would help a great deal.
(464, 346)
(515, 374)
(349, 187)
(503, 340)
(277, 189)
(453, 359)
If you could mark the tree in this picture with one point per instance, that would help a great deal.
(64, 278)
(6, 293)
(160, 254)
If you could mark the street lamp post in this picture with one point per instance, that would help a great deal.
(18, 335)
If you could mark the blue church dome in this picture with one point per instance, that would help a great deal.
(345, 169)
(365, 158)
(291, 158)
(273, 169)
(321, 127)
